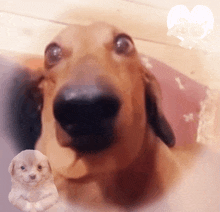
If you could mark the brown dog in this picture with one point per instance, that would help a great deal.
(104, 131)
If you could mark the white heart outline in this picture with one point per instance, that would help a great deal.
(199, 16)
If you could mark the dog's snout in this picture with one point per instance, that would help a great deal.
(86, 110)
(32, 176)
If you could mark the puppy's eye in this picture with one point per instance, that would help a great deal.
(123, 44)
(22, 168)
(53, 54)
(39, 167)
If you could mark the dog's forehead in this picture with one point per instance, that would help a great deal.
(103, 32)
(97, 34)
(30, 156)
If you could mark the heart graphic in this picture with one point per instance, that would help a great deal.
(190, 27)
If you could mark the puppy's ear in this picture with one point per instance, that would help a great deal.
(11, 168)
(155, 115)
(26, 106)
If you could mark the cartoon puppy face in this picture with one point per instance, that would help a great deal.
(30, 167)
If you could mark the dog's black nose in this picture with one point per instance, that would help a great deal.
(86, 111)
(32, 176)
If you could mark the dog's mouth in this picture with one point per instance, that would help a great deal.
(92, 143)
(31, 182)
(87, 137)
(87, 128)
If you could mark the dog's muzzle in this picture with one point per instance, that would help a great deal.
(87, 114)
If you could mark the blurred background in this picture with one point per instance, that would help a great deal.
(27, 26)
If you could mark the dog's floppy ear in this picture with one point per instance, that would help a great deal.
(26, 105)
(155, 115)
(11, 168)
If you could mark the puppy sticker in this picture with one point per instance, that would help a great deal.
(33, 187)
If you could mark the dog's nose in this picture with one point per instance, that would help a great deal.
(86, 104)
(32, 176)
(86, 110)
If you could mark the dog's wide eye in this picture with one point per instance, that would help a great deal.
(123, 44)
(53, 54)
(22, 168)
(39, 167)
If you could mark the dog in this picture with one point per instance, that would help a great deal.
(97, 115)
(33, 187)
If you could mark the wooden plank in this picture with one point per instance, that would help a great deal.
(145, 22)
(147, 18)
(24, 34)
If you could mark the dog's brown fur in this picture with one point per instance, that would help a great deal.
(139, 168)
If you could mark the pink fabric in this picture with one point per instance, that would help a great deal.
(179, 102)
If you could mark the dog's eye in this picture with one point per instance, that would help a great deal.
(123, 44)
(53, 54)
(22, 168)
(39, 167)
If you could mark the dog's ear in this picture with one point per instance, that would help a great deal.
(11, 168)
(50, 169)
(26, 106)
(155, 115)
